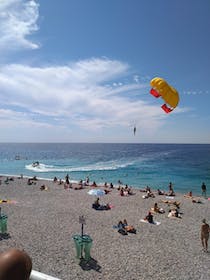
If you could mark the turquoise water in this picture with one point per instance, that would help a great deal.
(137, 165)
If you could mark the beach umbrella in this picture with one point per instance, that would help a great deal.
(96, 192)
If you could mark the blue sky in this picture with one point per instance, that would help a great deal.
(80, 71)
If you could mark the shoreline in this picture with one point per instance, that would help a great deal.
(197, 194)
(43, 223)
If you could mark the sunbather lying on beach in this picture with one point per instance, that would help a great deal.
(9, 201)
(174, 213)
(149, 194)
(97, 206)
(127, 227)
(147, 188)
(78, 187)
(176, 203)
(125, 191)
(171, 193)
(94, 184)
(43, 188)
(107, 191)
(4, 200)
(121, 228)
(124, 228)
(194, 199)
(188, 195)
(157, 209)
(159, 192)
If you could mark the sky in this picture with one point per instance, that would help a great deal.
(80, 70)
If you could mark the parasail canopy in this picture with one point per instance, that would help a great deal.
(169, 94)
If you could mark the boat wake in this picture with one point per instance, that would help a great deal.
(100, 166)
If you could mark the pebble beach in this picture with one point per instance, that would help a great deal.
(43, 222)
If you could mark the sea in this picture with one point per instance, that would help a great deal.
(187, 166)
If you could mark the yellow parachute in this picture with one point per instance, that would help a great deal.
(161, 88)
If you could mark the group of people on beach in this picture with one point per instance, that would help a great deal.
(150, 193)
(97, 206)
(123, 226)
(174, 212)
(174, 205)
(125, 190)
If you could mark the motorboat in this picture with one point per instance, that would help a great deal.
(35, 164)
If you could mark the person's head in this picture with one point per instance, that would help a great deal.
(204, 221)
(15, 264)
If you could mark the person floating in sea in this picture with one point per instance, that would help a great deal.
(203, 188)
(205, 229)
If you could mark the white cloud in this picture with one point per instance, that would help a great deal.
(76, 95)
(18, 19)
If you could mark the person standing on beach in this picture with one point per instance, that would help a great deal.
(170, 188)
(203, 188)
(205, 229)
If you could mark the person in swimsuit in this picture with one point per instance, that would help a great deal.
(203, 188)
(205, 229)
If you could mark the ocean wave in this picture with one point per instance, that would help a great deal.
(101, 166)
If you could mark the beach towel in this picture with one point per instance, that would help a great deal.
(169, 197)
(115, 226)
(101, 207)
(154, 223)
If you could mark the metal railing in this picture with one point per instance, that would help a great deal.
(35, 275)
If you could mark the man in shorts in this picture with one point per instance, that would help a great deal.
(205, 229)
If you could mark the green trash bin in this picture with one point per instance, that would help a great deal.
(3, 223)
(78, 244)
(87, 243)
(83, 245)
